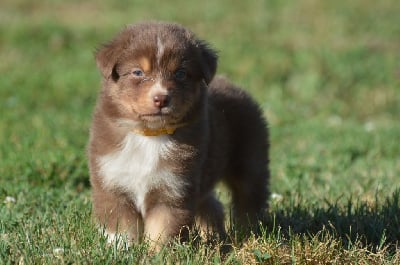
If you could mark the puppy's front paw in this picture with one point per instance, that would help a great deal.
(118, 240)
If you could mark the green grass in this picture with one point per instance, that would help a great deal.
(327, 74)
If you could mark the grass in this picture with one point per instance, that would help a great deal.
(327, 74)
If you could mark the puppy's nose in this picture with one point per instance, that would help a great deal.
(161, 101)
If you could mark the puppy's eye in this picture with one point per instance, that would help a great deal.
(138, 73)
(180, 74)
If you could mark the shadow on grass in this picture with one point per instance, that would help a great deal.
(375, 225)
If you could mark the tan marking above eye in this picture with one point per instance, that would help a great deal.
(145, 64)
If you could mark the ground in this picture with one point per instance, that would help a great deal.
(326, 73)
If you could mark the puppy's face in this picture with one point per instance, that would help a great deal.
(155, 73)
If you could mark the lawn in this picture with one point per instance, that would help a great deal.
(326, 73)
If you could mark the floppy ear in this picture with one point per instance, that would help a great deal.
(209, 61)
(106, 59)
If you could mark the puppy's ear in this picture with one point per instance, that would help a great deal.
(209, 59)
(106, 59)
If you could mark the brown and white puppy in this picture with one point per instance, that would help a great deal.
(165, 132)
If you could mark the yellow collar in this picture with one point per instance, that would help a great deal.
(158, 132)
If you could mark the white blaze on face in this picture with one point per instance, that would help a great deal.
(160, 50)
(158, 88)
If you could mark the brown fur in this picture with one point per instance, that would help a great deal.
(163, 185)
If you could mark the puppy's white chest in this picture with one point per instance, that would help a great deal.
(135, 168)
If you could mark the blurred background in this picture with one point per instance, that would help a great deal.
(326, 73)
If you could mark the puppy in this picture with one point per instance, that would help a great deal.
(165, 131)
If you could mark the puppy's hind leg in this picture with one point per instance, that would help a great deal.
(249, 187)
(210, 218)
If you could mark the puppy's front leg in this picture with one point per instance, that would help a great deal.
(116, 213)
(163, 222)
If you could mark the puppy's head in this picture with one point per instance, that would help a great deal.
(155, 73)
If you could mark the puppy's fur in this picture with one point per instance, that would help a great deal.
(165, 132)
